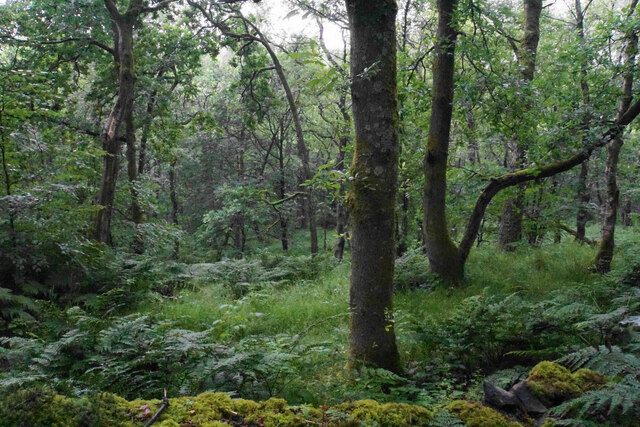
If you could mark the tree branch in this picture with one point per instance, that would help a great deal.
(509, 180)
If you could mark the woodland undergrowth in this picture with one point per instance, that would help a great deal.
(277, 326)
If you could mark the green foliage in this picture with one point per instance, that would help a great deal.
(615, 404)
(412, 271)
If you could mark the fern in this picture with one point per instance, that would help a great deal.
(618, 401)
(611, 361)
(444, 418)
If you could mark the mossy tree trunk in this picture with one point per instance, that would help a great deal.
(372, 196)
(121, 112)
(123, 24)
(445, 258)
(607, 241)
(443, 254)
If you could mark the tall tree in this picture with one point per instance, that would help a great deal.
(123, 25)
(445, 258)
(511, 216)
(607, 243)
(251, 33)
(374, 187)
(442, 252)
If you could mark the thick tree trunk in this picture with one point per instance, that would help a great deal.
(373, 194)
(510, 227)
(442, 253)
(607, 241)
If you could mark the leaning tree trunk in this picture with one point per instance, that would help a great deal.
(373, 194)
(511, 217)
(607, 241)
(303, 152)
(441, 251)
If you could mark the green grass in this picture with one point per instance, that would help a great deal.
(315, 312)
(318, 308)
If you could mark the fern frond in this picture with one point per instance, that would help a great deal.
(610, 361)
(444, 418)
(618, 400)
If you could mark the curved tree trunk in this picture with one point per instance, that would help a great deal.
(303, 151)
(373, 194)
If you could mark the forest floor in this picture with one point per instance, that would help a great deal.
(277, 326)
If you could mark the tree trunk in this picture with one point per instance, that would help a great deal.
(511, 218)
(607, 242)
(583, 194)
(625, 213)
(372, 197)
(442, 253)
(174, 204)
(137, 215)
(123, 108)
(583, 201)
(303, 152)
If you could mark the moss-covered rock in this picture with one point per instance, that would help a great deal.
(370, 412)
(474, 414)
(38, 408)
(43, 408)
(554, 383)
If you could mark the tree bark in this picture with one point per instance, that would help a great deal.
(511, 218)
(583, 194)
(441, 251)
(341, 213)
(174, 204)
(607, 241)
(123, 108)
(372, 197)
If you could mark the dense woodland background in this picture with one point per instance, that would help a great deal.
(181, 181)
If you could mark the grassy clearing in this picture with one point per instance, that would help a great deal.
(317, 309)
